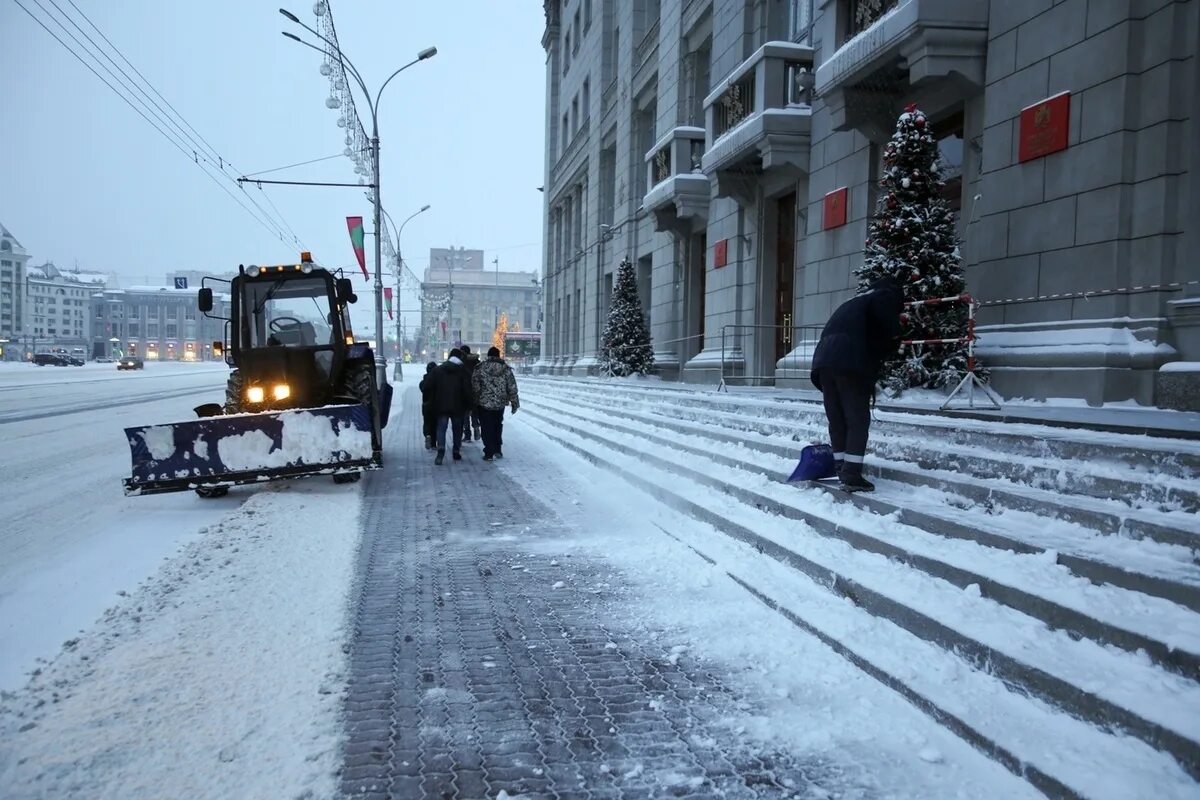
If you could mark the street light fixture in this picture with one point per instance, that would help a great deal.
(399, 267)
(373, 107)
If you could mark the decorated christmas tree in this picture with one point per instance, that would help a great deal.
(912, 239)
(625, 348)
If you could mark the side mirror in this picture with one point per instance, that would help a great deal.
(206, 300)
(218, 349)
(345, 291)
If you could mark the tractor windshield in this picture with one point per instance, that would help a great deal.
(287, 312)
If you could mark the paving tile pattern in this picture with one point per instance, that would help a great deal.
(474, 671)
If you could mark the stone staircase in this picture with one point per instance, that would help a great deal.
(1036, 590)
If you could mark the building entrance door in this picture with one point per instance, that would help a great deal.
(785, 271)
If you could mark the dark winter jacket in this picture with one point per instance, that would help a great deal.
(427, 388)
(495, 385)
(471, 361)
(860, 335)
(451, 389)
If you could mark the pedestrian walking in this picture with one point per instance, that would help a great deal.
(495, 388)
(451, 399)
(471, 423)
(428, 411)
(859, 336)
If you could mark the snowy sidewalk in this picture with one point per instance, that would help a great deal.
(498, 651)
(475, 670)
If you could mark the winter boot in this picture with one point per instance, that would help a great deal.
(853, 480)
(429, 445)
(441, 456)
(838, 464)
(457, 456)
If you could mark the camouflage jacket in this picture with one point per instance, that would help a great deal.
(494, 384)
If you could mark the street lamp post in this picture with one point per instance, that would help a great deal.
(399, 267)
(373, 107)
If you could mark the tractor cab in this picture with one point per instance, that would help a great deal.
(289, 335)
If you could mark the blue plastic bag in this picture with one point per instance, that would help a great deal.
(816, 462)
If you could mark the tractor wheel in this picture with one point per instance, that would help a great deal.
(233, 392)
(212, 491)
(359, 382)
(347, 477)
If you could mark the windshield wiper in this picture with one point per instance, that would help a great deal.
(258, 307)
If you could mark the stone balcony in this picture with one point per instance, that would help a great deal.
(913, 47)
(758, 120)
(679, 191)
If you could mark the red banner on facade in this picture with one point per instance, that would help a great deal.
(387, 299)
(720, 253)
(355, 226)
(1044, 127)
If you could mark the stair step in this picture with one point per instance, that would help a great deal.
(1176, 527)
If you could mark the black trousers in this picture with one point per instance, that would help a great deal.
(848, 407)
(429, 423)
(455, 423)
(491, 423)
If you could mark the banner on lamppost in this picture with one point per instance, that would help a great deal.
(387, 299)
(355, 226)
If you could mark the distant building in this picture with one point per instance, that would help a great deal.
(458, 258)
(56, 307)
(12, 295)
(156, 322)
(462, 304)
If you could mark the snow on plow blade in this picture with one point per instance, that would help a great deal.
(250, 448)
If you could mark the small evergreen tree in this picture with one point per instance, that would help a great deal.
(912, 239)
(625, 348)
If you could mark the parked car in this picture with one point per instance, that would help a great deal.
(75, 361)
(103, 360)
(130, 363)
(51, 359)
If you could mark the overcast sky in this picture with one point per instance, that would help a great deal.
(84, 179)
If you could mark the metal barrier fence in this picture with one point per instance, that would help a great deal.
(790, 339)
(970, 381)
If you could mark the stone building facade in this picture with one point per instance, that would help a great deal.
(12, 295)
(730, 149)
(156, 323)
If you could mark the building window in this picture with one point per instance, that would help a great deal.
(949, 136)
(566, 131)
(575, 114)
(587, 97)
(587, 14)
(578, 37)
(800, 21)
(567, 53)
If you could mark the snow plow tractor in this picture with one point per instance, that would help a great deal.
(301, 399)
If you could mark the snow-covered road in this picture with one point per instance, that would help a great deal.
(70, 538)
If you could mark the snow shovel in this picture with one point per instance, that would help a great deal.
(226, 450)
(816, 464)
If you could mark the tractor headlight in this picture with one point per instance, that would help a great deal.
(281, 391)
(255, 394)
(253, 270)
(306, 268)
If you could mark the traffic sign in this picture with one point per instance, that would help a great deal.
(181, 283)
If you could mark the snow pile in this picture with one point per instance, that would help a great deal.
(307, 438)
(221, 677)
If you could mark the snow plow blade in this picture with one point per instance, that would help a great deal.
(250, 448)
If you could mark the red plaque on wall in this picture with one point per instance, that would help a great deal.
(721, 253)
(1044, 127)
(836, 205)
